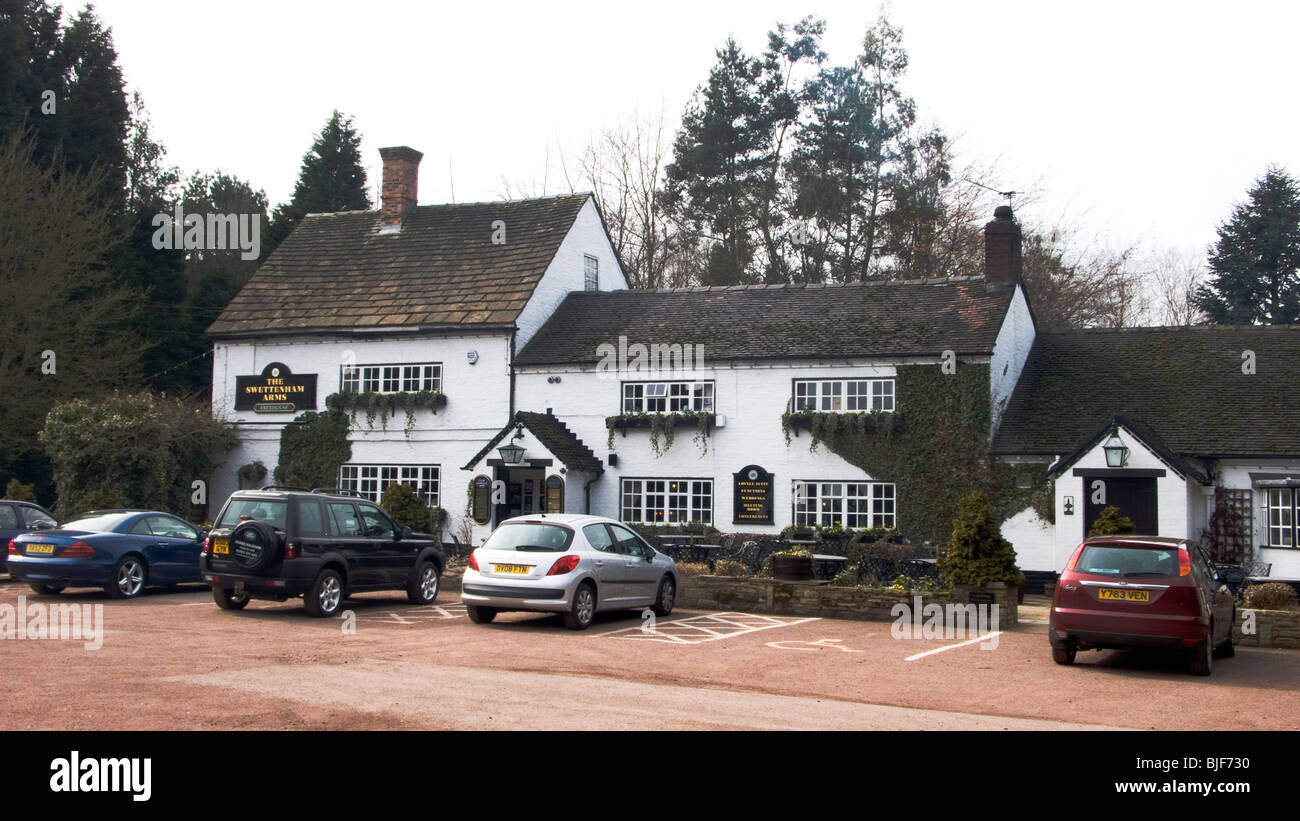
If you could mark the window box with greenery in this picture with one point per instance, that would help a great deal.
(386, 405)
(824, 425)
(662, 427)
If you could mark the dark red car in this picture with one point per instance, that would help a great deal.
(1142, 591)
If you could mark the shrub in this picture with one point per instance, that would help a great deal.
(977, 554)
(312, 448)
(731, 567)
(1111, 523)
(688, 570)
(407, 508)
(19, 492)
(1270, 596)
(138, 449)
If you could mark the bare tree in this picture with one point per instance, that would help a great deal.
(1173, 281)
(1081, 284)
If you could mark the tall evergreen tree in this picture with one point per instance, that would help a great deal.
(1255, 264)
(715, 170)
(332, 178)
(76, 62)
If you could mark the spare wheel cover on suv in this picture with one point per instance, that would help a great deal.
(254, 545)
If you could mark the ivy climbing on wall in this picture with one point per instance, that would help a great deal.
(934, 449)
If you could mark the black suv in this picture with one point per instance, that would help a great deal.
(323, 545)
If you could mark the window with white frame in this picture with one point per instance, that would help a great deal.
(370, 481)
(844, 504)
(1281, 503)
(396, 378)
(667, 397)
(667, 501)
(591, 273)
(844, 395)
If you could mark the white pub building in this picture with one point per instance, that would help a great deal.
(508, 334)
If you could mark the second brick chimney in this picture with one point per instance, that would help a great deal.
(1002, 263)
(401, 181)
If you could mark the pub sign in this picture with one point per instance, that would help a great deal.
(276, 390)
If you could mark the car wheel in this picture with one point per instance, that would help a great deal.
(423, 588)
(47, 589)
(1201, 660)
(1227, 650)
(667, 596)
(583, 610)
(228, 599)
(128, 579)
(481, 615)
(326, 595)
(1064, 653)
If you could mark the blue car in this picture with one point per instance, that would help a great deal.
(20, 517)
(122, 551)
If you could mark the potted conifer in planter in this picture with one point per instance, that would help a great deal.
(978, 557)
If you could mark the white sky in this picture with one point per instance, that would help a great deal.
(1145, 120)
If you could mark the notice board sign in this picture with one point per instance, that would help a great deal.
(752, 495)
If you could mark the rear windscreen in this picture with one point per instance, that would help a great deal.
(1103, 560)
(270, 511)
(527, 536)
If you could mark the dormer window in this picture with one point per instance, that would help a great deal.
(591, 274)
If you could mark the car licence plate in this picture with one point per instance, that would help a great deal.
(221, 546)
(1124, 595)
(47, 549)
(516, 569)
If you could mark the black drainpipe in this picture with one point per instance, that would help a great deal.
(513, 332)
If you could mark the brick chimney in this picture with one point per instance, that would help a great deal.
(1002, 263)
(401, 180)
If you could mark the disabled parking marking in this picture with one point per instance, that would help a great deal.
(700, 629)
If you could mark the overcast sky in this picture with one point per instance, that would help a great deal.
(1145, 121)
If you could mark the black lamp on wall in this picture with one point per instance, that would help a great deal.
(513, 454)
(1116, 451)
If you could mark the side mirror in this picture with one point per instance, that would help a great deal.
(404, 533)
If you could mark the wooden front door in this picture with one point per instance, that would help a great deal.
(1135, 498)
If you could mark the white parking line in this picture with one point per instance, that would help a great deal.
(975, 640)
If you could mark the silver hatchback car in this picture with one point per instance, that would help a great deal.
(570, 564)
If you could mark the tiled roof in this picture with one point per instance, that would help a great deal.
(1185, 384)
(338, 272)
(780, 321)
(554, 435)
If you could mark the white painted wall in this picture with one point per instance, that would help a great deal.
(478, 398)
(752, 397)
(1010, 351)
(567, 271)
(1172, 501)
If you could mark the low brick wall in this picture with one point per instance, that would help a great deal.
(760, 595)
(1272, 628)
